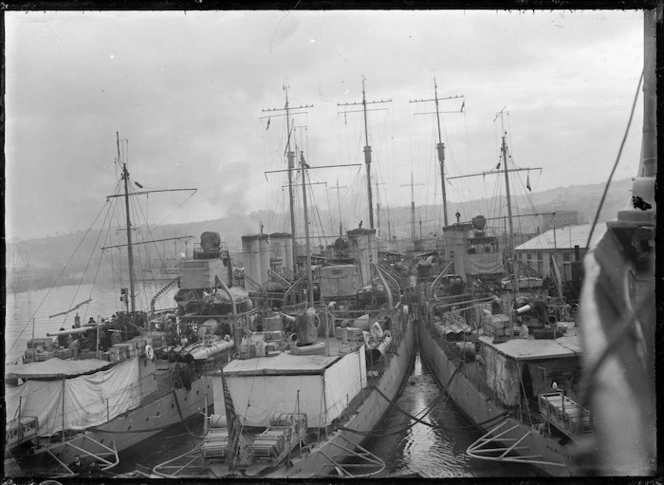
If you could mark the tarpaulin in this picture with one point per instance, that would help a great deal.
(89, 400)
(484, 263)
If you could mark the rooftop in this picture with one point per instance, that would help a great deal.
(565, 238)
(55, 368)
(286, 364)
(532, 349)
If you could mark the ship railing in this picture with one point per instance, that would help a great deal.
(105, 456)
(277, 277)
(401, 281)
(290, 297)
(393, 284)
(369, 464)
(168, 286)
(252, 285)
(565, 414)
(506, 442)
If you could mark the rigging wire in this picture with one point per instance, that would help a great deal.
(615, 165)
(57, 278)
(87, 264)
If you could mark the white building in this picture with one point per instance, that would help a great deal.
(559, 243)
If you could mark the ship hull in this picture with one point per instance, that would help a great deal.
(366, 418)
(479, 407)
(139, 424)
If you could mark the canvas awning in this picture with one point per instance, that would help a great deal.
(529, 349)
(55, 368)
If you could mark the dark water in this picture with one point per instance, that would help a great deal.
(438, 450)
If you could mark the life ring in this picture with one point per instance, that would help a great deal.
(149, 351)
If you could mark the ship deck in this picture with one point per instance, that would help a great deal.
(286, 363)
(568, 345)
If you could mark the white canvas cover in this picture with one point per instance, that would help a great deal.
(258, 392)
(484, 263)
(343, 381)
(88, 400)
(256, 397)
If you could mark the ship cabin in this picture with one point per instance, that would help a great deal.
(537, 379)
(475, 254)
(534, 379)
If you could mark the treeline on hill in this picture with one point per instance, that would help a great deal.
(36, 263)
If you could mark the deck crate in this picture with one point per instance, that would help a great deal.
(46, 343)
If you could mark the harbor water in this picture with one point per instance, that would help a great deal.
(436, 449)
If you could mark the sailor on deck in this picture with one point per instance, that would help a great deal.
(74, 346)
(116, 337)
(62, 339)
(76, 466)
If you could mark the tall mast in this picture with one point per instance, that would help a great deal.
(310, 287)
(367, 148)
(412, 185)
(290, 156)
(376, 184)
(338, 189)
(506, 171)
(291, 164)
(377, 212)
(130, 254)
(440, 146)
(515, 275)
(367, 154)
(412, 206)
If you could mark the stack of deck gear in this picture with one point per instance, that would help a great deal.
(497, 325)
(39, 350)
(377, 341)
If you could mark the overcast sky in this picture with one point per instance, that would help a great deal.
(188, 90)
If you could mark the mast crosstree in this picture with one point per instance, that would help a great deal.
(287, 111)
(440, 146)
(506, 171)
(367, 147)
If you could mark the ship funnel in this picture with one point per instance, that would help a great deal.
(362, 247)
(251, 256)
(264, 256)
(281, 249)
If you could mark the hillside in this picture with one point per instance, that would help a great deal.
(38, 262)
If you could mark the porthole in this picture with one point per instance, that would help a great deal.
(172, 406)
(198, 392)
